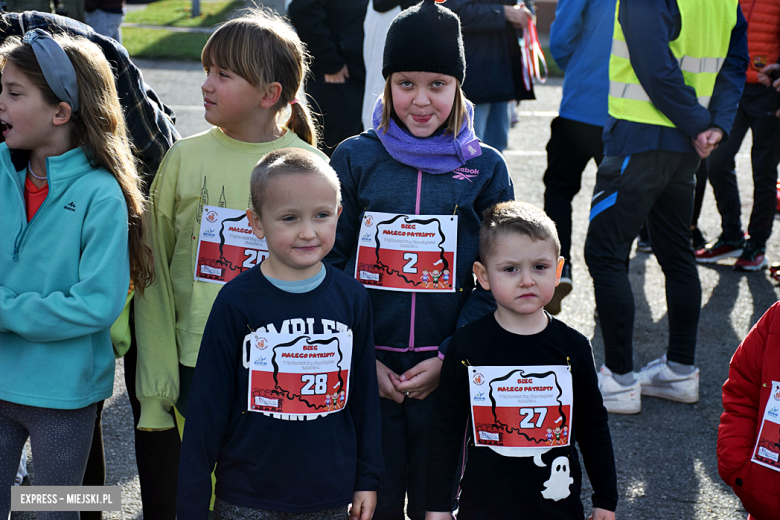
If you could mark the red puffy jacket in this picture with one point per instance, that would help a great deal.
(755, 364)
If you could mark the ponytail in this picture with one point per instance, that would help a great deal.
(302, 123)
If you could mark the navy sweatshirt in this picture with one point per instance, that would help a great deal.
(267, 463)
(371, 180)
(649, 26)
(495, 486)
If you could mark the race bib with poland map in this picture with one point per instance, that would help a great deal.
(226, 245)
(298, 376)
(767, 450)
(407, 252)
(521, 407)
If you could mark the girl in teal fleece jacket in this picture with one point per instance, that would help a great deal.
(68, 188)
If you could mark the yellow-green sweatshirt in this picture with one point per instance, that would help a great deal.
(206, 169)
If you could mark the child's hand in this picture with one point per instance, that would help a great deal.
(437, 515)
(363, 505)
(387, 380)
(599, 514)
(420, 380)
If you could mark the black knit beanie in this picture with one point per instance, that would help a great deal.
(425, 38)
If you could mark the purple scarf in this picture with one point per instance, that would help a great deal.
(439, 153)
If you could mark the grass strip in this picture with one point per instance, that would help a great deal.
(176, 13)
(159, 44)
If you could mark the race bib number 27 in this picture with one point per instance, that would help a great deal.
(413, 253)
(521, 407)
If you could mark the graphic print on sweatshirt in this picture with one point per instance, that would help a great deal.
(297, 374)
(410, 253)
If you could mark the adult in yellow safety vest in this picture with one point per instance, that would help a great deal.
(676, 74)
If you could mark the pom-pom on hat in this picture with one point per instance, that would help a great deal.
(425, 38)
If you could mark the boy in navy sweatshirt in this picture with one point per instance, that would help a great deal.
(525, 384)
(284, 399)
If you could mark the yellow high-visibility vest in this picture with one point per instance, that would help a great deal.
(700, 50)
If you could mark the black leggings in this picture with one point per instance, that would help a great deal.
(60, 441)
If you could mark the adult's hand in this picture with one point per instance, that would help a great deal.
(420, 380)
(387, 380)
(707, 141)
(518, 16)
(339, 77)
(765, 76)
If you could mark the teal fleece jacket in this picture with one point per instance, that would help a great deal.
(63, 282)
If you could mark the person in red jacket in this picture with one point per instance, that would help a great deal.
(755, 365)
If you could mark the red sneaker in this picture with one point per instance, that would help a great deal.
(711, 253)
(753, 258)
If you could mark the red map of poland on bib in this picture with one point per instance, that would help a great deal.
(299, 376)
(226, 245)
(521, 407)
(407, 252)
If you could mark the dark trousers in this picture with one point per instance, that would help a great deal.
(338, 109)
(572, 144)
(95, 472)
(405, 429)
(156, 453)
(756, 112)
(656, 187)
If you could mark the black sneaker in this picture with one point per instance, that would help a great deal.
(698, 240)
(564, 288)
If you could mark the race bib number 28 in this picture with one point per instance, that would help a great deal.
(298, 376)
(407, 252)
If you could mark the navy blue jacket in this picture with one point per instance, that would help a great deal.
(649, 26)
(371, 180)
(493, 60)
(333, 33)
(263, 462)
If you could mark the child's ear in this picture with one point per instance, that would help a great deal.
(63, 114)
(482, 275)
(255, 224)
(558, 271)
(271, 94)
(339, 212)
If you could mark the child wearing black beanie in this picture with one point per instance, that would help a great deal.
(414, 189)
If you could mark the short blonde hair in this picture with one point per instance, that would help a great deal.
(288, 161)
(451, 125)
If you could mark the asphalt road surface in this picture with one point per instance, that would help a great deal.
(666, 459)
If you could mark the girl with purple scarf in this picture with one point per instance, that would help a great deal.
(414, 190)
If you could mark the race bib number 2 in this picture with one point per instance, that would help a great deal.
(226, 245)
(407, 252)
(521, 407)
(298, 376)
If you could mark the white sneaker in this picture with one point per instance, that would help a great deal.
(618, 398)
(658, 380)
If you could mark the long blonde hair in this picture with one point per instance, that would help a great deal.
(98, 127)
(262, 48)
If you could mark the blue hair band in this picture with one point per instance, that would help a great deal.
(55, 65)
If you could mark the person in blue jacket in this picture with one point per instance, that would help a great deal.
(676, 73)
(422, 159)
(73, 243)
(580, 41)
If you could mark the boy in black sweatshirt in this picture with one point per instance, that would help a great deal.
(523, 385)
